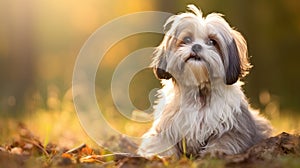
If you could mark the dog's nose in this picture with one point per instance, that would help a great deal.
(196, 48)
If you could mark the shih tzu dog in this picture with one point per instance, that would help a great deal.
(202, 108)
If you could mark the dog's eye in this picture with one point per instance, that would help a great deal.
(211, 42)
(187, 40)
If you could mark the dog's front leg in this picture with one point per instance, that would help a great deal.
(156, 145)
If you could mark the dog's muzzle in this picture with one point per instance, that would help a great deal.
(196, 48)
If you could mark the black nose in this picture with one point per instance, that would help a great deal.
(196, 48)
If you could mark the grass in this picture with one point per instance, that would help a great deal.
(63, 128)
(60, 125)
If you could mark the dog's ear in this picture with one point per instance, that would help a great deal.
(159, 64)
(233, 70)
(238, 63)
(233, 47)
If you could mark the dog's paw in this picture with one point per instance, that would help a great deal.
(146, 154)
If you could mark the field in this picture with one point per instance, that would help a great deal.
(51, 138)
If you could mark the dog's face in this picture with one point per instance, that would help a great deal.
(197, 50)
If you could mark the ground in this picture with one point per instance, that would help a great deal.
(27, 150)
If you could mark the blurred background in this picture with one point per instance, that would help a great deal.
(40, 41)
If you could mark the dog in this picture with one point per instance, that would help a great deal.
(201, 108)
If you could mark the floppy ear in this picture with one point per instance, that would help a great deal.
(233, 70)
(238, 63)
(160, 64)
(233, 47)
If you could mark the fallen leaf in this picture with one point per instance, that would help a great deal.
(16, 150)
(66, 155)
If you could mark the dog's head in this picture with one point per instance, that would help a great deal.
(198, 50)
